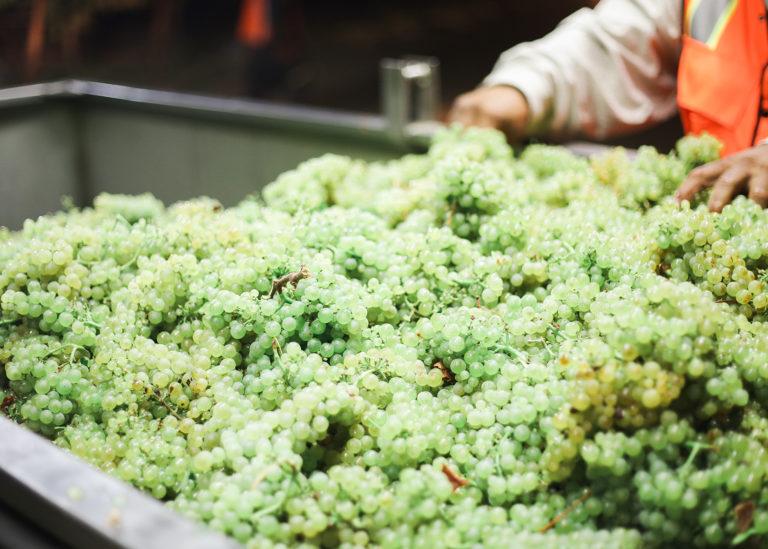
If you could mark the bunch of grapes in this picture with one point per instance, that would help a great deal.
(458, 349)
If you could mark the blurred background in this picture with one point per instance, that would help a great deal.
(320, 57)
(310, 52)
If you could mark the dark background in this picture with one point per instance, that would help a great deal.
(324, 52)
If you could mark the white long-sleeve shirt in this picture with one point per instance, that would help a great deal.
(601, 72)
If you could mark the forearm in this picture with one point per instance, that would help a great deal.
(601, 72)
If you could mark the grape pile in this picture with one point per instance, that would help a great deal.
(451, 350)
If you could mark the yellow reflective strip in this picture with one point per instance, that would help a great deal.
(717, 32)
(692, 5)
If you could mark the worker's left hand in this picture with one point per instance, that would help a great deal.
(744, 171)
(502, 107)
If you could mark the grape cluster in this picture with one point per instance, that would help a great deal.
(464, 348)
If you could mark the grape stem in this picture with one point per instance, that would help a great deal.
(461, 283)
(269, 510)
(276, 347)
(568, 247)
(93, 325)
(279, 284)
(162, 401)
(565, 513)
(9, 321)
(549, 349)
(744, 536)
(75, 347)
(514, 352)
(89, 322)
(413, 310)
(119, 217)
(83, 261)
(135, 256)
(278, 352)
(484, 308)
(441, 510)
(556, 331)
(697, 446)
(263, 474)
(358, 377)
(451, 210)
(544, 343)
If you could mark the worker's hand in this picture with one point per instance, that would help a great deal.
(501, 107)
(744, 171)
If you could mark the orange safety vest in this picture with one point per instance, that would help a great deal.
(254, 26)
(722, 79)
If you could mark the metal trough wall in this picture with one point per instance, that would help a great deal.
(80, 138)
(79, 506)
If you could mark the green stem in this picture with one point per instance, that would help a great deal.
(92, 324)
(135, 256)
(413, 309)
(372, 422)
(87, 321)
(441, 510)
(278, 357)
(359, 376)
(696, 447)
(119, 217)
(167, 406)
(269, 510)
(744, 536)
(61, 348)
(9, 321)
(507, 349)
(83, 261)
(558, 332)
(549, 350)
(280, 296)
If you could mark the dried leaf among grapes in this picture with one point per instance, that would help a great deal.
(745, 511)
(456, 480)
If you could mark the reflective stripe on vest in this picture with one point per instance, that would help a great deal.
(723, 71)
(705, 20)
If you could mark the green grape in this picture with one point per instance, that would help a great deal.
(461, 348)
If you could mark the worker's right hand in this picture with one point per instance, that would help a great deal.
(745, 171)
(502, 107)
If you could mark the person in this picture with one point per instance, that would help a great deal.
(272, 34)
(628, 64)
